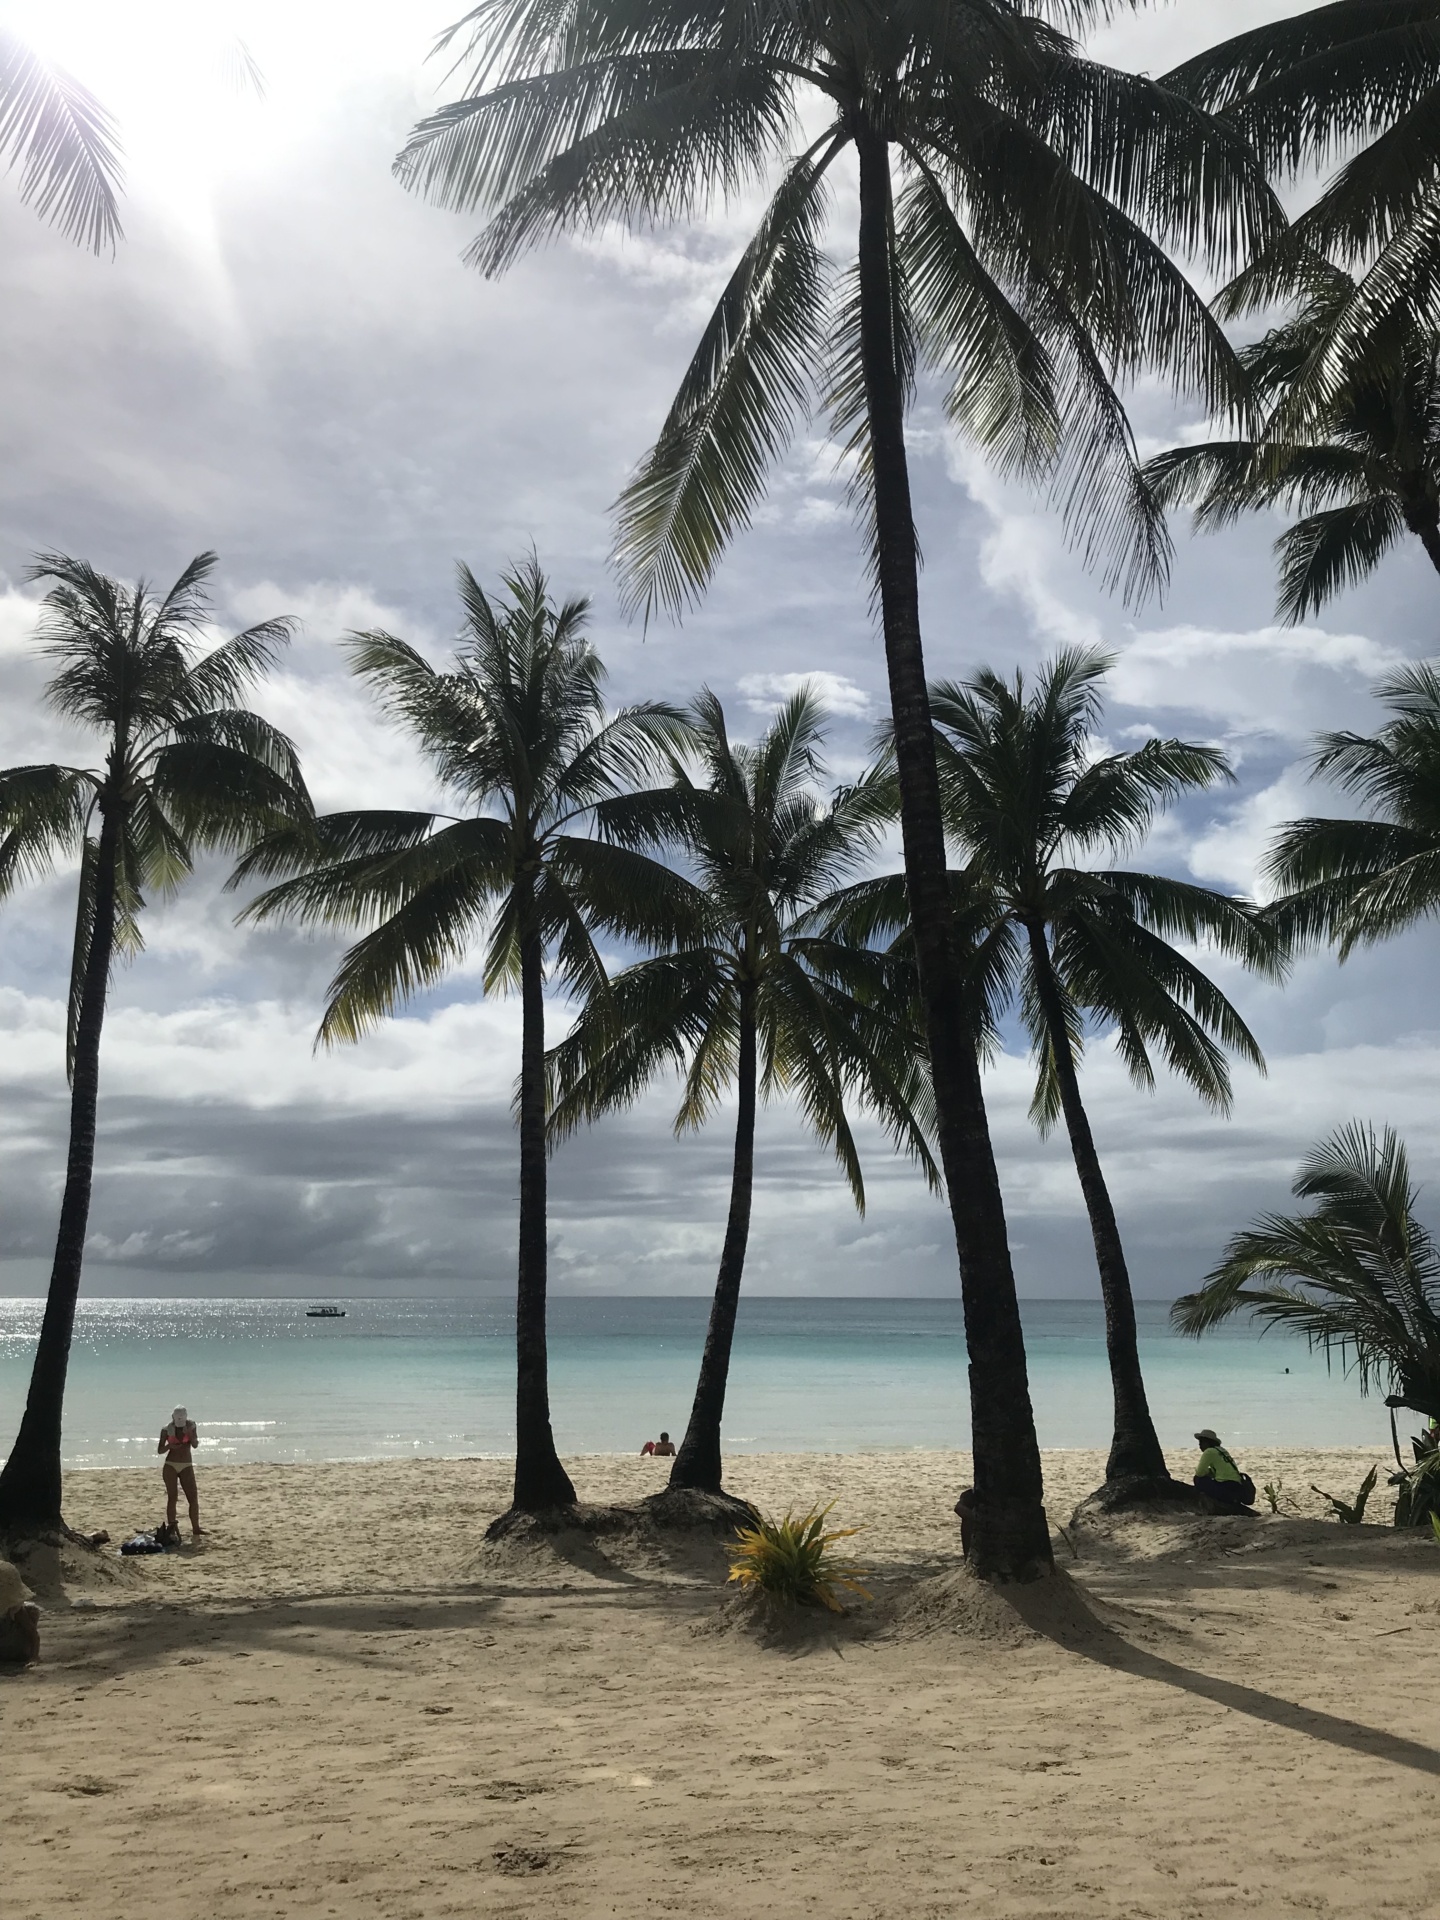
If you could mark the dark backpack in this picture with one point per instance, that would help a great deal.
(1247, 1490)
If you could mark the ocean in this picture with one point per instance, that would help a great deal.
(398, 1378)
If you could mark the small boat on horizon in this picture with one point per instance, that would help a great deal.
(325, 1313)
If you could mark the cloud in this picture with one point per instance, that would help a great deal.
(1284, 681)
(768, 692)
(1232, 851)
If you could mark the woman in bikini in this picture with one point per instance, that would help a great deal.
(176, 1440)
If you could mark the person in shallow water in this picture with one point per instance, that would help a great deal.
(1217, 1474)
(176, 1441)
(663, 1448)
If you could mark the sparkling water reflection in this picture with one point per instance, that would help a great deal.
(398, 1378)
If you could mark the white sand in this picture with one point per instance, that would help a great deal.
(345, 1704)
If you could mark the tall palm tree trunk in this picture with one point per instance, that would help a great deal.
(698, 1463)
(1422, 516)
(540, 1480)
(1011, 1539)
(1135, 1447)
(30, 1491)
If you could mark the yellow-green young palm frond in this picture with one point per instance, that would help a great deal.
(516, 731)
(792, 1563)
(1361, 469)
(1039, 197)
(1358, 1275)
(64, 143)
(1354, 882)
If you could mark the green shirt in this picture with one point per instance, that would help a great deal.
(1216, 1464)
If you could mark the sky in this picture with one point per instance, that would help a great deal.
(288, 362)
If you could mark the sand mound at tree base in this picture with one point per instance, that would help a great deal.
(1013, 1615)
(59, 1567)
(685, 1510)
(791, 1628)
(680, 1536)
(1147, 1495)
(1163, 1531)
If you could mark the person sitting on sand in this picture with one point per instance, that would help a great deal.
(663, 1448)
(176, 1440)
(1216, 1474)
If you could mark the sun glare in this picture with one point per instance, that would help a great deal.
(206, 91)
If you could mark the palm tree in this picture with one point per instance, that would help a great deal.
(1350, 73)
(186, 769)
(1355, 882)
(749, 994)
(515, 730)
(63, 141)
(1367, 470)
(1023, 259)
(1026, 802)
(1359, 1276)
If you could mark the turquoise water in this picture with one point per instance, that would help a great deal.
(397, 1378)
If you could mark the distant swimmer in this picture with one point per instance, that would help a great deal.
(176, 1441)
(663, 1448)
(1217, 1475)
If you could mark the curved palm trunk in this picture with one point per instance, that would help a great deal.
(698, 1462)
(540, 1480)
(30, 1491)
(1135, 1447)
(1010, 1538)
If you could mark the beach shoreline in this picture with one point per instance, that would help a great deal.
(329, 1525)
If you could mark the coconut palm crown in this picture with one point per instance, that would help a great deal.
(1364, 470)
(1358, 1275)
(1356, 78)
(1038, 191)
(1023, 260)
(186, 770)
(1029, 804)
(516, 731)
(1355, 882)
(749, 993)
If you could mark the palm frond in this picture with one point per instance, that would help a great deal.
(64, 143)
(43, 815)
(1358, 1276)
(1326, 552)
(749, 380)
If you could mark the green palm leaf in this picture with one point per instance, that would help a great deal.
(748, 382)
(1353, 882)
(1358, 1276)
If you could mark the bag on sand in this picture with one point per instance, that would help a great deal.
(141, 1543)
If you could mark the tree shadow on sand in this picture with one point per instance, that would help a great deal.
(1057, 1610)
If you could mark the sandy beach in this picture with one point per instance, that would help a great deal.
(345, 1702)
